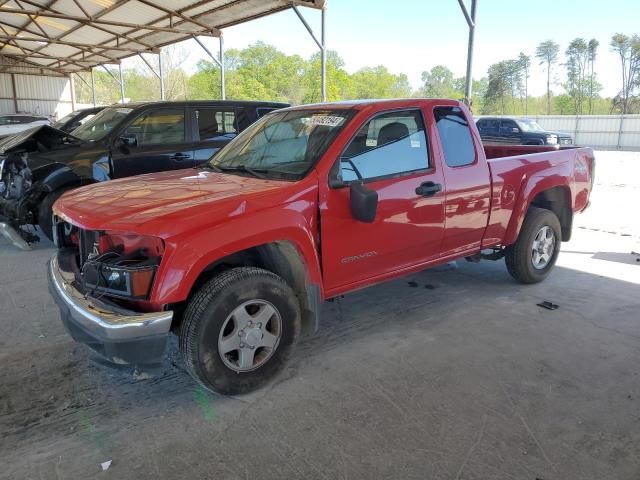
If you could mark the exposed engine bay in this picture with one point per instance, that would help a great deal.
(19, 182)
(15, 176)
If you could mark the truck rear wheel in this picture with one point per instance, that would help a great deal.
(534, 254)
(238, 330)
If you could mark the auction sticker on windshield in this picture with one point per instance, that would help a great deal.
(325, 120)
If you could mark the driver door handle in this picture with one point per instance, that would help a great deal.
(428, 189)
(181, 156)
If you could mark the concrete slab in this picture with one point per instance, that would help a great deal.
(453, 373)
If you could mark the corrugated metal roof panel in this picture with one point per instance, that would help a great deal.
(127, 27)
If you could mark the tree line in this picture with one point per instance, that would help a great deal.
(262, 72)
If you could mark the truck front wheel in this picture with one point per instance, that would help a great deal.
(238, 330)
(534, 254)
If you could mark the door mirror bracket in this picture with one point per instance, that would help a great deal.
(128, 141)
(363, 202)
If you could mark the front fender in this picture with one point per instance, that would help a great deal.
(188, 255)
(59, 176)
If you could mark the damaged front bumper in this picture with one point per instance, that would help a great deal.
(119, 335)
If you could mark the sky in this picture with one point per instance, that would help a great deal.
(411, 36)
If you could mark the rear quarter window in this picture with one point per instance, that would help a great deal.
(455, 136)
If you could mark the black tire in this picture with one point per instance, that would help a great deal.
(208, 312)
(519, 256)
(45, 211)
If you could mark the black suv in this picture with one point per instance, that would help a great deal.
(37, 166)
(518, 131)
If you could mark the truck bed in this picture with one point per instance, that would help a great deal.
(512, 166)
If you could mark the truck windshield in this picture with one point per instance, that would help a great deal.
(282, 144)
(529, 126)
(101, 124)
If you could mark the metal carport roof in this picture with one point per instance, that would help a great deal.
(61, 37)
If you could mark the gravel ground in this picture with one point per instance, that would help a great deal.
(453, 373)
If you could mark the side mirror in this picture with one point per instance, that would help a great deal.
(364, 202)
(129, 140)
(515, 130)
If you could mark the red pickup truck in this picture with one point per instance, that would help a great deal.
(307, 204)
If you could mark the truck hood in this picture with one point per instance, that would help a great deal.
(164, 203)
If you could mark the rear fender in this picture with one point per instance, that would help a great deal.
(534, 185)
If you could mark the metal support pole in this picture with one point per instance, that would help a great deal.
(93, 88)
(72, 87)
(160, 70)
(223, 94)
(121, 84)
(323, 53)
(15, 93)
(471, 21)
(620, 132)
(321, 46)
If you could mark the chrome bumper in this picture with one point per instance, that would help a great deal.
(118, 334)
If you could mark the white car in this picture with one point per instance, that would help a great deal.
(17, 122)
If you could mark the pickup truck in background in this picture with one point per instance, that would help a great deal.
(518, 131)
(119, 141)
(307, 204)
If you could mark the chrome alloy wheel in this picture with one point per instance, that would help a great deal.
(250, 335)
(543, 246)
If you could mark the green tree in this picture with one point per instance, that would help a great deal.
(378, 82)
(439, 83)
(628, 49)
(525, 64)
(593, 50)
(577, 61)
(547, 53)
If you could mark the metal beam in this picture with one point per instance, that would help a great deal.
(211, 55)
(209, 31)
(223, 93)
(306, 25)
(323, 53)
(85, 46)
(121, 84)
(111, 74)
(83, 80)
(93, 88)
(73, 92)
(321, 46)
(471, 21)
(161, 76)
(15, 93)
(153, 70)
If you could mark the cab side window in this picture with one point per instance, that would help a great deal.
(389, 144)
(488, 126)
(213, 123)
(158, 127)
(455, 136)
(508, 126)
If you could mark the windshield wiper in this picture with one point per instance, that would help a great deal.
(256, 172)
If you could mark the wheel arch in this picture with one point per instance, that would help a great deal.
(546, 193)
(281, 257)
(558, 200)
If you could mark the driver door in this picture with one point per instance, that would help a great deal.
(159, 144)
(389, 154)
